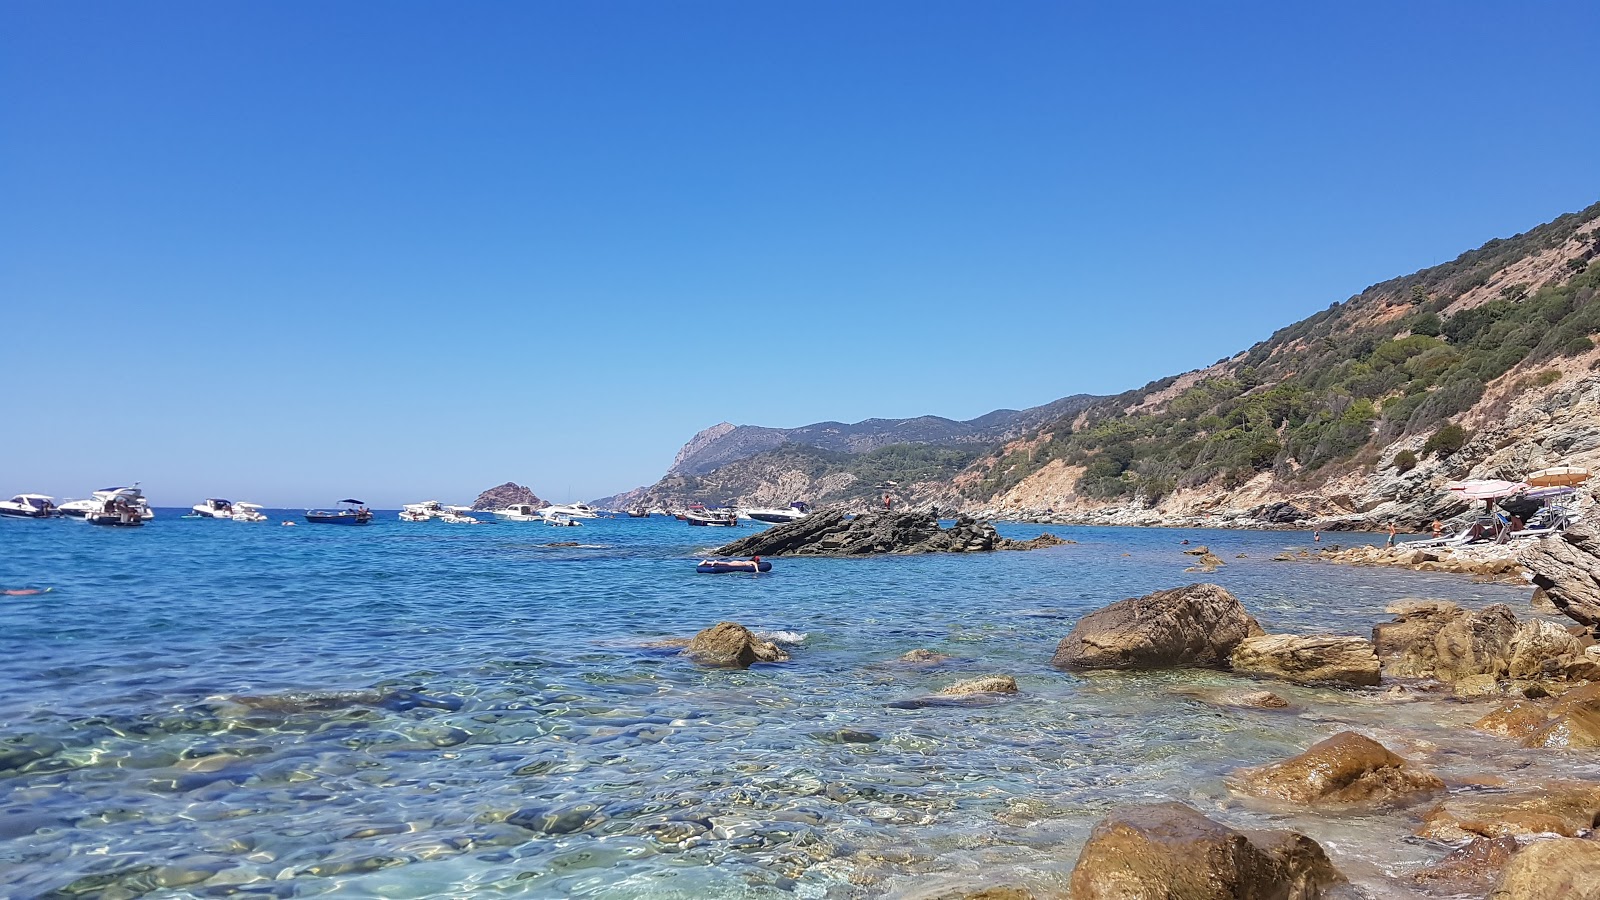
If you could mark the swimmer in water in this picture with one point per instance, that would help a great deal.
(23, 592)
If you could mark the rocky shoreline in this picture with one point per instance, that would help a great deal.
(1538, 684)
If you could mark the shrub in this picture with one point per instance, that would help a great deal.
(1446, 440)
(1577, 346)
(1405, 461)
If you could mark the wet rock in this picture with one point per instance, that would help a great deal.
(1518, 719)
(1406, 645)
(1541, 601)
(1564, 808)
(986, 684)
(1308, 660)
(1475, 644)
(1576, 721)
(1170, 850)
(1256, 700)
(1206, 562)
(1470, 868)
(731, 645)
(1567, 567)
(332, 701)
(1347, 769)
(923, 657)
(1197, 625)
(1036, 543)
(1566, 868)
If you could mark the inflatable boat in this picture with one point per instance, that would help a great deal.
(724, 566)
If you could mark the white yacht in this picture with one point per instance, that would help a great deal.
(29, 506)
(214, 508)
(560, 520)
(116, 506)
(575, 510)
(775, 516)
(457, 515)
(97, 501)
(422, 512)
(248, 512)
(520, 512)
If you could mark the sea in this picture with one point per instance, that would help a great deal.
(202, 708)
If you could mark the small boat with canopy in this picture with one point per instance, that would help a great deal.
(355, 512)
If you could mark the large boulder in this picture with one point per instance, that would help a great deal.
(1471, 868)
(1540, 649)
(1567, 868)
(1170, 850)
(1406, 645)
(1197, 625)
(985, 684)
(1478, 643)
(1345, 770)
(1475, 650)
(1567, 567)
(730, 645)
(1575, 722)
(1518, 719)
(1308, 660)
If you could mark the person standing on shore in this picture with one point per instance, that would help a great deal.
(1392, 531)
(1438, 528)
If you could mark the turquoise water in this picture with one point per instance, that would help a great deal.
(204, 708)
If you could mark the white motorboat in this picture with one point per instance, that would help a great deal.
(248, 512)
(214, 508)
(457, 515)
(775, 516)
(560, 520)
(520, 512)
(29, 506)
(422, 512)
(82, 508)
(116, 506)
(575, 510)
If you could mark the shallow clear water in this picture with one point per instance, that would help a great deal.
(201, 708)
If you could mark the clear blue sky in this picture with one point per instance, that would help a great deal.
(289, 252)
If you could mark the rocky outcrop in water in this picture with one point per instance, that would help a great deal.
(1345, 770)
(1198, 625)
(986, 684)
(1317, 659)
(834, 533)
(1567, 567)
(1481, 652)
(1564, 808)
(1568, 868)
(1170, 850)
(729, 645)
(505, 495)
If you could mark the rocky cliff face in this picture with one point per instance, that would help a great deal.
(506, 494)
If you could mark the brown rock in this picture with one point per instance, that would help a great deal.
(1308, 660)
(1347, 769)
(1406, 645)
(731, 645)
(1171, 851)
(1563, 808)
(923, 657)
(1518, 719)
(1255, 700)
(987, 684)
(1472, 867)
(1567, 868)
(1540, 649)
(1475, 644)
(1567, 567)
(1576, 722)
(1197, 625)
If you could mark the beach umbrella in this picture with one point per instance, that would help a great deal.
(1491, 490)
(1558, 476)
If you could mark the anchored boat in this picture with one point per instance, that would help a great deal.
(354, 513)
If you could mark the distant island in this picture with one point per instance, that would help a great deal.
(507, 494)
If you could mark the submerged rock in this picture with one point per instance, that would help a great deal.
(1471, 867)
(1198, 625)
(1308, 660)
(1576, 721)
(1207, 562)
(1518, 719)
(987, 684)
(1171, 851)
(731, 645)
(1347, 769)
(923, 657)
(1567, 868)
(1559, 808)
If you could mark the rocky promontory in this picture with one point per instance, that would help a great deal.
(507, 494)
(835, 533)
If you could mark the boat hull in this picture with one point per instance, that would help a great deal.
(337, 519)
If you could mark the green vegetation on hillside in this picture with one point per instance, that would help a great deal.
(1326, 388)
(904, 464)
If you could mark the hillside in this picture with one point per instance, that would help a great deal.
(1359, 412)
(725, 443)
